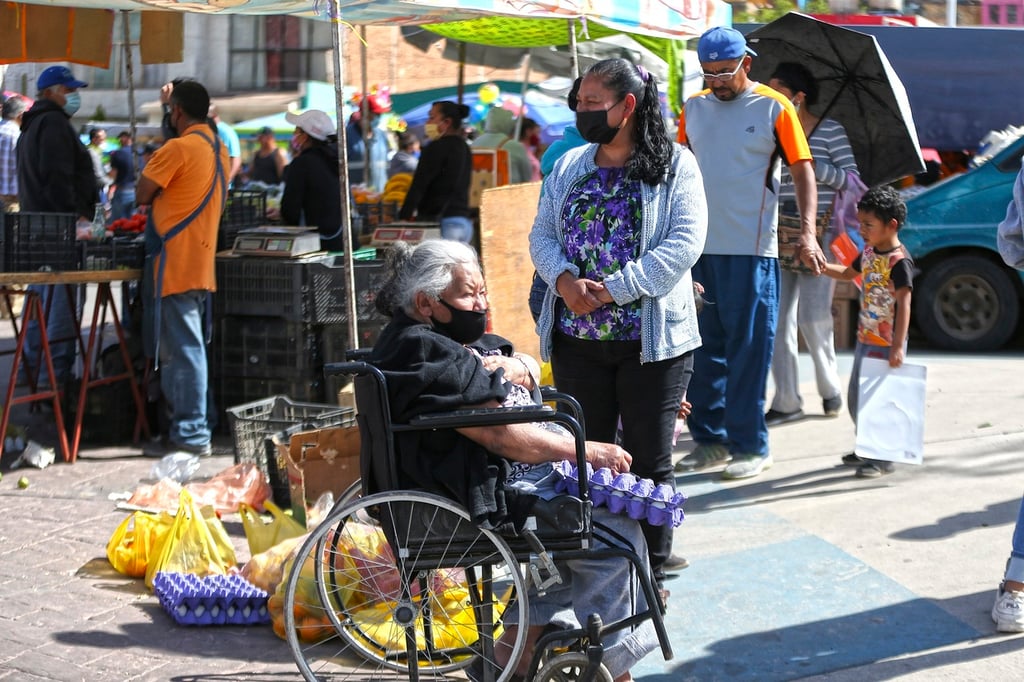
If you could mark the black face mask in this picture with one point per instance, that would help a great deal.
(167, 129)
(593, 126)
(465, 327)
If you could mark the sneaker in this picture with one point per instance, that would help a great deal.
(703, 456)
(774, 417)
(675, 563)
(832, 406)
(853, 460)
(163, 448)
(873, 468)
(747, 466)
(1008, 611)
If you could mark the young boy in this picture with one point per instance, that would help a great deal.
(887, 272)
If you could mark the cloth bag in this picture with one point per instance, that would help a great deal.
(789, 239)
(890, 411)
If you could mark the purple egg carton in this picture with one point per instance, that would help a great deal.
(638, 498)
(211, 600)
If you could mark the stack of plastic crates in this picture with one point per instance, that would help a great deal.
(243, 209)
(279, 320)
(39, 241)
(253, 423)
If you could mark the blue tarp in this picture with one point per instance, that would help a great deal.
(962, 82)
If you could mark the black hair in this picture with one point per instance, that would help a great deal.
(886, 203)
(527, 124)
(652, 149)
(406, 140)
(453, 111)
(797, 78)
(93, 132)
(192, 97)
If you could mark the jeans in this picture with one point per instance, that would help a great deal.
(604, 586)
(805, 303)
(1015, 567)
(730, 371)
(59, 325)
(122, 204)
(610, 382)
(183, 367)
(458, 228)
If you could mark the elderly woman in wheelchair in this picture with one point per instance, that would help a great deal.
(466, 500)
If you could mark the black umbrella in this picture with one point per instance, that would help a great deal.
(857, 85)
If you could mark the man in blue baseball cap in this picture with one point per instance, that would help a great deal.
(739, 130)
(55, 175)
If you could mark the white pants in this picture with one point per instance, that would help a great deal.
(805, 303)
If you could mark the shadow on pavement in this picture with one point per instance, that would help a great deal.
(826, 646)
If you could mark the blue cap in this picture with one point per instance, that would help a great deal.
(721, 43)
(59, 75)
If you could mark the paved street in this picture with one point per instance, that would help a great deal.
(802, 573)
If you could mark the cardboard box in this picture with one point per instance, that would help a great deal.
(325, 460)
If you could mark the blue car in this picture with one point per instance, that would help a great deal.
(965, 297)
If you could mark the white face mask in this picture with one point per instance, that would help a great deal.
(432, 130)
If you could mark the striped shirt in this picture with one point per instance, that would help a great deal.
(9, 133)
(833, 157)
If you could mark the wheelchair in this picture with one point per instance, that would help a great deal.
(402, 584)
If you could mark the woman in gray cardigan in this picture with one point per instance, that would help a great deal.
(619, 225)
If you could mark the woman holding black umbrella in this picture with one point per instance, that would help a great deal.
(805, 299)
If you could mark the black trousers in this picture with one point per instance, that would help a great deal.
(610, 382)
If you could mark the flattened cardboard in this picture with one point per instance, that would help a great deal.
(320, 461)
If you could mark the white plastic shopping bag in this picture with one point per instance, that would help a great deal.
(890, 411)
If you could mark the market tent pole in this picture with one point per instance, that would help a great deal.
(522, 96)
(364, 110)
(129, 68)
(338, 40)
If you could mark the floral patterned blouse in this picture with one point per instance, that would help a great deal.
(602, 232)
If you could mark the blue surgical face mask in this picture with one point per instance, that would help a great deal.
(72, 103)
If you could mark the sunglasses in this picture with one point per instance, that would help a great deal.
(725, 75)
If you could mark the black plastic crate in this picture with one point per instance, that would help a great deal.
(243, 209)
(39, 241)
(326, 289)
(267, 347)
(264, 287)
(253, 422)
(112, 254)
(237, 390)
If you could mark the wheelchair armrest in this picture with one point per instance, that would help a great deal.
(565, 401)
(493, 416)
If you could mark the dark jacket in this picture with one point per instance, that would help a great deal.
(428, 372)
(440, 186)
(55, 170)
(311, 194)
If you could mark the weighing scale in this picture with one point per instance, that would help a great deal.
(274, 240)
(413, 233)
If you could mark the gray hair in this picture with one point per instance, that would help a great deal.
(14, 107)
(426, 268)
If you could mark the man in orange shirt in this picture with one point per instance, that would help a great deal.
(185, 183)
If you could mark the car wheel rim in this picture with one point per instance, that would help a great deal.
(967, 307)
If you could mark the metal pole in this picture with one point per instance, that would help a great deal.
(129, 68)
(522, 97)
(574, 57)
(462, 71)
(951, 12)
(364, 108)
(338, 41)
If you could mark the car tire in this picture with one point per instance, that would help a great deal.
(967, 303)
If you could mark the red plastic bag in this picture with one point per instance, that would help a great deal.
(226, 491)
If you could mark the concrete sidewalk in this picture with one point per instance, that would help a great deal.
(804, 572)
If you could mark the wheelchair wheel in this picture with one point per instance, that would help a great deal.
(402, 572)
(569, 667)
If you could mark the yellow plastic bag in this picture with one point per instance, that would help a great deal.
(262, 536)
(196, 543)
(135, 540)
